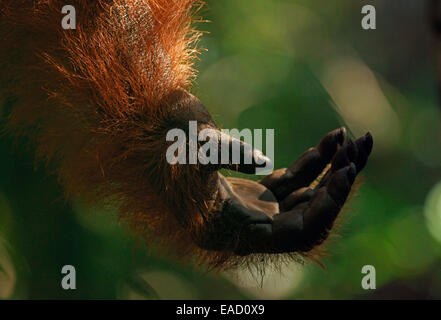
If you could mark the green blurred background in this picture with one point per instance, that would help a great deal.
(303, 68)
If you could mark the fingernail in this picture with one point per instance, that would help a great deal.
(368, 142)
(341, 136)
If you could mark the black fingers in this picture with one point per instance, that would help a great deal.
(352, 152)
(309, 214)
(340, 184)
(296, 197)
(312, 162)
(306, 222)
(331, 194)
(330, 142)
(364, 148)
(306, 168)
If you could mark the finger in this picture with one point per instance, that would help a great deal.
(340, 184)
(307, 167)
(364, 148)
(306, 225)
(318, 219)
(341, 159)
(296, 197)
(352, 152)
(330, 142)
(325, 206)
(248, 159)
(234, 154)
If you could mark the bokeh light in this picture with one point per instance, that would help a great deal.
(432, 211)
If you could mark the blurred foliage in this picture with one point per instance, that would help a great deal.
(300, 67)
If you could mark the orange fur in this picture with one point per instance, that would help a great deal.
(96, 101)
